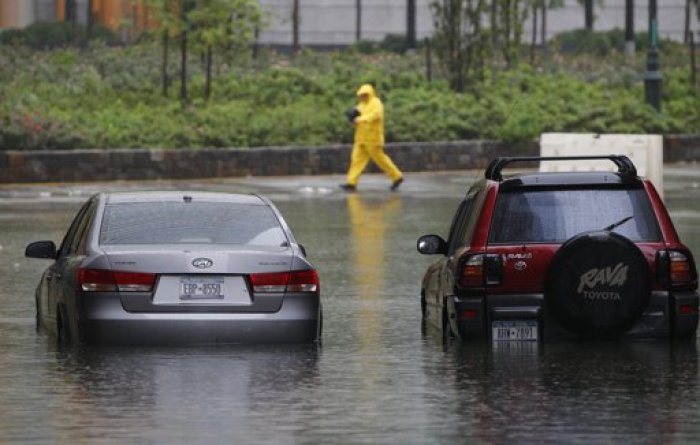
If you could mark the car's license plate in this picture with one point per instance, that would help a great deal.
(201, 288)
(507, 330)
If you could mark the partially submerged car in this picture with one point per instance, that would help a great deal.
(560, 255)
(178, 267)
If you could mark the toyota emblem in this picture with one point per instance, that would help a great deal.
(202, 263)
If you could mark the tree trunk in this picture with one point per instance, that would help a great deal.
(70, 12)
(481, 43)
(543, 36)
(693, 66)
(207, 87)
(588, 4)
(410, 24)
(183, 52)
(164, 68)
(358, 20)
(256, 43)
(494, 25)
(428, 60)
(71, 16)
(686, 27)
(90, 22)
(295, 26)
(507, 10)
(629, 28)
(533, 44)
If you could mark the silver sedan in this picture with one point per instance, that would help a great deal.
(178, 267)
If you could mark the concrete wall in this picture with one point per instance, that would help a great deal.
(100, 165)
(332, 22)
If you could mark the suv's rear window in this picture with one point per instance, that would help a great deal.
(190, 223)
(541, 216)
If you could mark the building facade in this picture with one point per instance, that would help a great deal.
(118, 15)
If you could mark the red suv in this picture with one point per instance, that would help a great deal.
(556, 255)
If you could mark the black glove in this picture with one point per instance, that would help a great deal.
(352, 113)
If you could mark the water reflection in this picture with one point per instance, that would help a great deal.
(370, 220)
(585, 391)
(221, 392)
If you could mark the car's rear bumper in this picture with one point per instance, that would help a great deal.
(105, 321)
(663, 318)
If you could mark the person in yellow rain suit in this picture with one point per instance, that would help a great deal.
(369, 141)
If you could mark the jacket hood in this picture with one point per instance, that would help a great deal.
(366, 89)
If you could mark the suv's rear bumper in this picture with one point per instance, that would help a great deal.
(663, 317)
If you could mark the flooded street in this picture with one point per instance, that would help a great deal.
(375, 379)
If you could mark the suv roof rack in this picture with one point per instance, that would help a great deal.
(625, 166)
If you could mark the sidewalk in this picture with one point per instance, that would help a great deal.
(677, 177)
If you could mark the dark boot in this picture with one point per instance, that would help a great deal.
(395, 185)
(348, 187)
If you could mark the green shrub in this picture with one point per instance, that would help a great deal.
(24, 130)
(50, 35)
(391, 43)
(110, 97)
(602, 43)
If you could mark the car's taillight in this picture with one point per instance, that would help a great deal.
(101, 280)
(480, 270)
(303, 281)
(472, 273)
(295, 281)
(269, 282)
(680, 269)
(676, 268)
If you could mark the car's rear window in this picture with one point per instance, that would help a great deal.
(190, 223)
(542, 216)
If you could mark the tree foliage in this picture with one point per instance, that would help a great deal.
(462, 41)
(223, 27)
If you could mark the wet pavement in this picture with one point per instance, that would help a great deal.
(375, 379)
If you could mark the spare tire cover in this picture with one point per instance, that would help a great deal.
(598, 284)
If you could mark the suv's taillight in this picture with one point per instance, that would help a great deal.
(295, 281)
(472, 272)
(676, 269)
(479, 270)
(680, 269)
(101, 280)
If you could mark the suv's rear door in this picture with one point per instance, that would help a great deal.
(530, 223)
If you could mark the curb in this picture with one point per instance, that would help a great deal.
(150, 164)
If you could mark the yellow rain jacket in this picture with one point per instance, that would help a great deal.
(369, 129)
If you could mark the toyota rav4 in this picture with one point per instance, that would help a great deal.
(558, 255)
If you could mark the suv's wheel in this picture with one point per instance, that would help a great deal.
(598, 284)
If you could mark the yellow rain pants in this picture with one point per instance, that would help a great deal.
(361, 155)
(369, 137)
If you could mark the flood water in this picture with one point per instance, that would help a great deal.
(375, 379)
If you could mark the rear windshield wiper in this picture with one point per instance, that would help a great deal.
(619, 223)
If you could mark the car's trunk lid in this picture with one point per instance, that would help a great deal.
(195, 279)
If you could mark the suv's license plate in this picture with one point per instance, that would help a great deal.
(201, 288)
(507, 330)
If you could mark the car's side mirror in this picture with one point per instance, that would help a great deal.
(41, 249)
(431, 245)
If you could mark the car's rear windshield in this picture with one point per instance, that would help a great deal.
(190, 223)
(544, 216)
